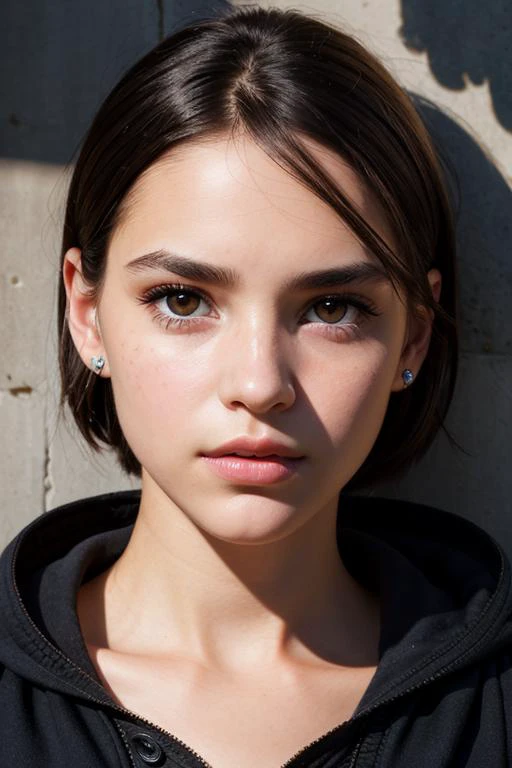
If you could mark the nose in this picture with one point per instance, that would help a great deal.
(256, 374)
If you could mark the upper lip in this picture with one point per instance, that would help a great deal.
(248, 446)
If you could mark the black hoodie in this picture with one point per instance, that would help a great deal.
(441, 696)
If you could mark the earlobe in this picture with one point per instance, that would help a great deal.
(81, 314)
(418, 339)
(414, 352)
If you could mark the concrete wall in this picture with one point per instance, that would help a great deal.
(59, 59)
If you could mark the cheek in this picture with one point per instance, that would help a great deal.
(156, 392)
(352, 400)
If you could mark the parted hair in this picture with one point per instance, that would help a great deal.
(279, 77)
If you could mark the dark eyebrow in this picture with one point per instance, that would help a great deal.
(337, 276)
(228, 278)
(188, 268)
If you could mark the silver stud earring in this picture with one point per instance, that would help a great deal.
(97, 363)
(408, 377)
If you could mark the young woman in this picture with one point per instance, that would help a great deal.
(258, 315)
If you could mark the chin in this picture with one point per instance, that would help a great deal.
(252, 520)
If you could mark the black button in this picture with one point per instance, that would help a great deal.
(148, 749)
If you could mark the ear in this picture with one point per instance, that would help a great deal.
(418, 336)
(81, 312)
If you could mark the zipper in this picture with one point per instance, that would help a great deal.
(390, 700)
(355, 754)
(174, 739)
(133, 715)
(123, 738)
(110, 704)
(304, 749)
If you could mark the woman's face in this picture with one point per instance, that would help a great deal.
(237, 306)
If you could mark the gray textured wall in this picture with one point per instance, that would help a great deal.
(60, 58)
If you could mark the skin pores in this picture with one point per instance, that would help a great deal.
(257, 358)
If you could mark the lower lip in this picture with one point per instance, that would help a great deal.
(264, 471)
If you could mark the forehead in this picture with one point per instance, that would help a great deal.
(225, 196)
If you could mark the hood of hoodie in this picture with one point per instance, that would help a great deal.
(444, 587)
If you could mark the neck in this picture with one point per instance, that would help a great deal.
(199, 595)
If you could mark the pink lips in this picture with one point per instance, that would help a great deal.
(256, 471)
(262, 461)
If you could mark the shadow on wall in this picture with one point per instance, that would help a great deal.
(60, 59)
(483, 201)
(475, 482)
(465, 39)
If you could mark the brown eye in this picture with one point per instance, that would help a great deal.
(183, 302)
(330, 310)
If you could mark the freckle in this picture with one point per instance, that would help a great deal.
(15, 280)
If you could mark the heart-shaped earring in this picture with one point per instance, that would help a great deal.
(97, 363)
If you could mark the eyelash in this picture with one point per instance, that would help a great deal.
(362, 304)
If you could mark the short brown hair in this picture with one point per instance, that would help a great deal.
(279, 76)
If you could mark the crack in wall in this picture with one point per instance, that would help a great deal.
(22, 390)
(161, 21)
(47, 477)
